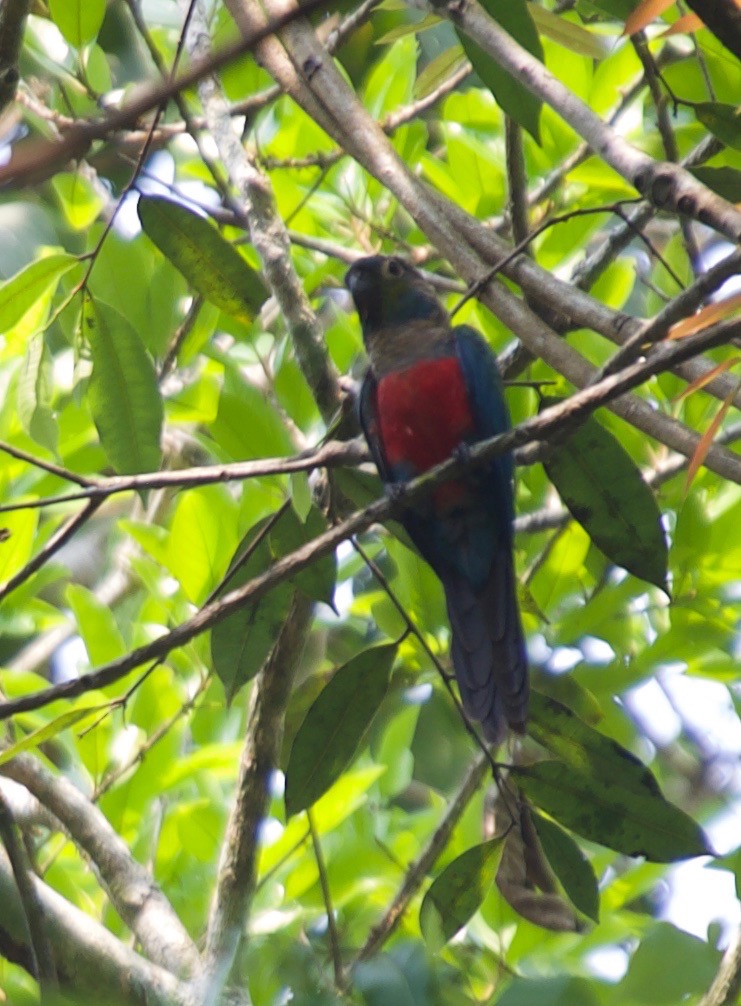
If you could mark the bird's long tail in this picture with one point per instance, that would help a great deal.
(488, 649)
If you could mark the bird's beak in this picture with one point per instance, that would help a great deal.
(357, 280)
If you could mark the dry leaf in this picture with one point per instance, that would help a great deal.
(700, 382)
(707, 438)
(645, 13)
(685, 25)
(707, 316)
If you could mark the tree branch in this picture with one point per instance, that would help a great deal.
(236, 881)
(726, 986)
(89, 958)
(133, 893)
(542, 426)
(13, 14)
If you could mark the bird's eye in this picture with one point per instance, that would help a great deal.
(394, 268)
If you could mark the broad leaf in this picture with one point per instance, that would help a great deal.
(123, 392)
(725, 181)
(19, 293)
(513, 98)
(457, 893)
(241, 643)
(78, 20)
(607, 812)
(211, 265)
(603, 489)
(49, 730)
(557, 728)
(334, 726)
(317, 580)
(570, 865)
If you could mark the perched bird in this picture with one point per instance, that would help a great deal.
(430, 391)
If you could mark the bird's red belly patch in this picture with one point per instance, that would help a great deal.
(423, 414)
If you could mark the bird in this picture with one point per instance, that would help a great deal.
(430, 392)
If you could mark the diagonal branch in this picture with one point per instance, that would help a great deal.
(540, 427)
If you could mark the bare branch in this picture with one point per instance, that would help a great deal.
(133, 893)
(89, 957)
(726, 985)
(418, 871)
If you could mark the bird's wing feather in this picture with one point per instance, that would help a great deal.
(369, 424)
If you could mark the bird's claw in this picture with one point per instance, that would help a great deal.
(396, 491)
(462, 452)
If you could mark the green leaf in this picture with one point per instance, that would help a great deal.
(725, 181)
(438, 70)
(17, 534)
(68, 719)
(604, 811)
(27, 287)
(604, 491)
(570, 865)
(211, 265)
(561, 990)
(514, 99)
(318, 580)
(723, 121)
(123, 393)
(571, 36)
(381, 982)
(96, 623)
(457, 893)
(334, 726)
(402, 30)
(557, 728)
(241, 643)
(34, 395)
(78, 20)
(81, 202)
(649, 979)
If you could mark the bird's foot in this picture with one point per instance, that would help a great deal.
(462, 452)
(396, 492)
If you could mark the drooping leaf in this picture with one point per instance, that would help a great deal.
(34, 395)
(604, 811)
(604, 491)
(78, 20)
(457, 893)
(513, 98)
(210, 264)
(123, 393)
(412, 28)
(242, 641)
(317, 580)
(19, 293)
(557, 728)
(706, 440)
(334, 726)
(570, 865)
(723, 121)
(526, 880)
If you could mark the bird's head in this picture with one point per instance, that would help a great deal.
(389, 292)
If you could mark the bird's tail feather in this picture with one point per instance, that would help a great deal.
(488, 649)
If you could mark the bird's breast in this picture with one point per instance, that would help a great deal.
(423, 413)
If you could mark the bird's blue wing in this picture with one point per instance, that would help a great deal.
(369, 424)
(489, 408)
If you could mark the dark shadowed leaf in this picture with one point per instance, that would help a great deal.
(330, 735)
(241, 643)
(210, 264)
(604, 811)
(317, 580)
(562, 990)
(381, 982)
(560, 730)
(605, 492)
(648, 979)
(123, 393)
(511, 96)
(725, 181)
(459, 890)
(570, 865)
(723, 121)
